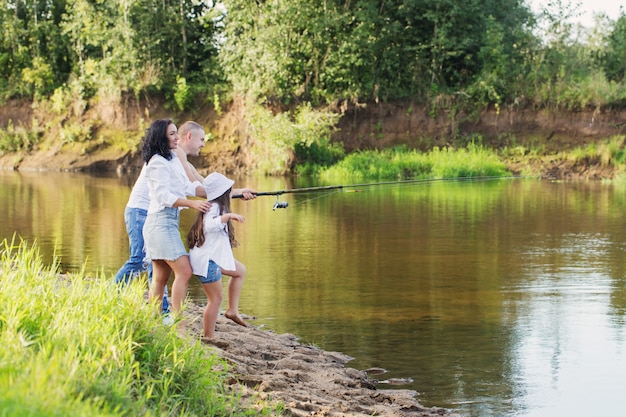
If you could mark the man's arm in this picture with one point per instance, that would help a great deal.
(193, 171)
(190, 170)
(247, 193)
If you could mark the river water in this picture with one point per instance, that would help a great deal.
(492, 298)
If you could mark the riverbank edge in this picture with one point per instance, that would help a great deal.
(532, 142)
(548, 167)
(304, 379)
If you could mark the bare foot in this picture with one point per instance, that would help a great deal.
(236, 318)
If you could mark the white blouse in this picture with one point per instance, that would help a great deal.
(140, 194)
(167, 182)
(216, 245)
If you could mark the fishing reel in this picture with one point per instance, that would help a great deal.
(279, 204)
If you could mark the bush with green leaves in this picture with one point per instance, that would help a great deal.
(13, 139)
(283, 139)
(182, 93)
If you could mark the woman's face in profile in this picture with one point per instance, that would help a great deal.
(172, 136)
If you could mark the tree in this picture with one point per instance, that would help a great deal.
(615, 58)
(31, 41)
(364, 49)
(174, 38)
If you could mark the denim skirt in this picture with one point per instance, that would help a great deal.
(162, 237)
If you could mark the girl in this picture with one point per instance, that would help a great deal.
(211, 240)
(168, 186)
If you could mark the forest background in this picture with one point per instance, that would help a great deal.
(288, 86)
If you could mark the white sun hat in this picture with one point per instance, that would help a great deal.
(215, 185)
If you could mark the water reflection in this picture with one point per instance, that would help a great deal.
(75, 218)
(497, 298)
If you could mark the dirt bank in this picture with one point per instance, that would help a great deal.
(387, 124)
(307, 380)
(365, 126)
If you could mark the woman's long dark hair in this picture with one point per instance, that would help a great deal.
(195, 237)
(156, 141)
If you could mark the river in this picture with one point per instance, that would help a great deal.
(493, 298)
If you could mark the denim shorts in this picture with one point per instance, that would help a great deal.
(162, 237)
(213, 274)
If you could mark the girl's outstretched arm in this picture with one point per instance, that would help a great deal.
(232, 216)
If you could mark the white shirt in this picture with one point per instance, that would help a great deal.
(167, 182)
(140, 194)
(216, 245)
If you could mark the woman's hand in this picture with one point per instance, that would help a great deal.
(200, 205)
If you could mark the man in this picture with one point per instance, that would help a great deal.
(191, 140)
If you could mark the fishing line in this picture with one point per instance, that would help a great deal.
(338, 188)
(316, 198)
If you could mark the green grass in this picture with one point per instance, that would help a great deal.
(401, 164)
(75, 346)
(610, 152)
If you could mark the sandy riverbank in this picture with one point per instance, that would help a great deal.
(307, 380)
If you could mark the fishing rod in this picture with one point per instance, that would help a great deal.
(284, 204)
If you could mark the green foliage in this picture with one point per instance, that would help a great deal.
(564, 72)
(315, 157)
(123, 140)
(611, 152)
(460, 57)
(473, 161)
(32, 51)
(60, 101)
(13, 139)
(614, 62)
(392, 164)
(361, 50)
(72, 132)
(313, 148)
(401, 164)
(108, 47)
(39, 77)
(277, 136)
(75, 346)
(182, 93)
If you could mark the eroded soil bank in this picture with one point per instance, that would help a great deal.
(541, 133)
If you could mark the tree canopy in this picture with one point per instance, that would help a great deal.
(486, 51)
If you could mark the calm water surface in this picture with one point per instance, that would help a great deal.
(497, 298)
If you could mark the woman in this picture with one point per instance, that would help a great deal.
(169, 186)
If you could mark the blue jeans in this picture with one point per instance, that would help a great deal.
(213, 274)
(137, 263)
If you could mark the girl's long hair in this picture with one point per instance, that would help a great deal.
(195, 237)
(155, 141)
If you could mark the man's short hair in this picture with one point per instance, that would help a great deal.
(188, 127)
